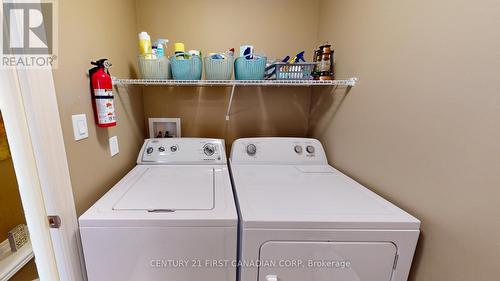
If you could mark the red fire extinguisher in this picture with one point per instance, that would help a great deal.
(101, 88)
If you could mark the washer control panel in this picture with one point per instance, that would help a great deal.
(182, 151)
(278, 150)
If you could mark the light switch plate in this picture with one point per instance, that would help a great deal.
(113, 146)
(80, 128)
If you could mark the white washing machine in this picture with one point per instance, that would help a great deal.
(301, 219)
(167, 219)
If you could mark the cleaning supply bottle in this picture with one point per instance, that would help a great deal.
(194, 53)
(298, 58)
(153, 51)
(161, 45)
(179, 49)
(145, 47)
(248, 53)
(249, 49)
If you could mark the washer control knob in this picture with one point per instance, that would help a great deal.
(161, 149)
(173, 148)
(310, 149)
(251, 149)
(298, 149)
(149, 150)
(209, 149)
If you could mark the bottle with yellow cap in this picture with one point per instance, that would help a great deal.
(179, 49)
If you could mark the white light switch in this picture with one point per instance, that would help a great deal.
(113, 146)
(80, 129)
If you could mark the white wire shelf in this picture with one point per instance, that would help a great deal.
(351, 82)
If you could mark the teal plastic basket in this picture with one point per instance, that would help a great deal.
(219, 69)
(186, 68)
(250, 69)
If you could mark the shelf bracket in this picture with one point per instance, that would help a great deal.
(230, 102)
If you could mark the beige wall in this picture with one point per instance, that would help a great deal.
(422, 128)
(90, 30)
(277, 28)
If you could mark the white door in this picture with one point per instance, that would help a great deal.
(31, 117)
(30, 113)
(326, 261)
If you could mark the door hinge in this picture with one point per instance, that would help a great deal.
(54, 221)
(395, 262)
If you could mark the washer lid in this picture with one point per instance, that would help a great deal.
(167, 189)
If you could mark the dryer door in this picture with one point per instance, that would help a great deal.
(326, 261)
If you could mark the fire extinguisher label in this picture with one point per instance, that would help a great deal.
(105, 106)
(103, 93)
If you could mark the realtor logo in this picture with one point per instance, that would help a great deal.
(28, 37)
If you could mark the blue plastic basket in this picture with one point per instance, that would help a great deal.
(250, 69)
(219, 69)
(290, 71)
(186, 68)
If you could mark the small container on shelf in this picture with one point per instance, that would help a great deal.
(219, 67)
(186, 67)
(250, 69)
(290, 71)
(154, 68)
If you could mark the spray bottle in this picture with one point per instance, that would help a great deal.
(161, 45)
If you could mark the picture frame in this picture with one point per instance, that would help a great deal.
(164, 127)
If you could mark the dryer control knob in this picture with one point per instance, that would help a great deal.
(209, 149)
(251, 149)
(310, 149)
(149, 150)
(161, 149)
(173, 148)
(298, 149)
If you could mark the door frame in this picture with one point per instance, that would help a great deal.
(31, 115)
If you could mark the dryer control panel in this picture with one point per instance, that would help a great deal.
(174, 151)
(294, 151)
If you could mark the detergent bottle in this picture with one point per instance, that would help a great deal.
(145, 47)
